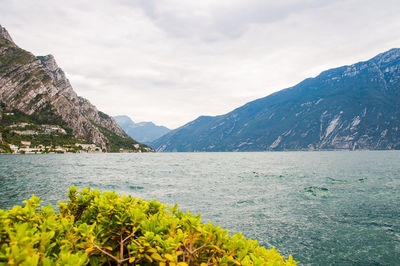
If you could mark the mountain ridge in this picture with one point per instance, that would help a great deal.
(318, 113)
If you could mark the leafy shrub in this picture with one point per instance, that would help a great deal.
(106, 229)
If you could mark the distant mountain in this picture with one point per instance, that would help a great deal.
(350, 107)
(36, 95)
(144, 132)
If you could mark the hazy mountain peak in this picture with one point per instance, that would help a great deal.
(144, 132)
(142, 124)
(123, 119)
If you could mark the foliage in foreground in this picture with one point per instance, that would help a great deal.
(103, 228)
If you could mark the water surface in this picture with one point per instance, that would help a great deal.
(323, 207)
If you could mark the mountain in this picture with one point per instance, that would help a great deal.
(145, 132)
(350, 107)
(35, 93)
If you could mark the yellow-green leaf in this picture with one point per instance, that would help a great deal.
(169, 257)
(152, 250)
(156, 256)
(148, 258)
(88, 250)
(233, 260)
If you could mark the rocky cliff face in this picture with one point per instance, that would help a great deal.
(4, 34)
(37, 86)
(350, 107)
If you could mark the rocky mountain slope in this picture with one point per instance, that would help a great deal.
(145, 132)
(350, 107)
(37, 87)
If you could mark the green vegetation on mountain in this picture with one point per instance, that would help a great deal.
(117, 143)
(43, 116)
(15, 122)
(5, 147)
(13, 55)
(105, 229)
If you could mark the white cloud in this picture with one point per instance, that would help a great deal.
(169, 61)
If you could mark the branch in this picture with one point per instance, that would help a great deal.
(103, 251)
(197, 249)
(119, 262)
(183, 252)
(121, 247)
(122, 261)
(210, 259)
(126, 238)
(190, 251)
(191, 244)
(129, 251)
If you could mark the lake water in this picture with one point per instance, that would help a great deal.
(324, 208)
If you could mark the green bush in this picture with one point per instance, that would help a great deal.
(5, 148)
(105, 229)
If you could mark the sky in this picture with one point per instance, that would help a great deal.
(170, 61)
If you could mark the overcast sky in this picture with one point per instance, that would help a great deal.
(170, 61)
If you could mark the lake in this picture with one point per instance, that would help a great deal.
(336, 207)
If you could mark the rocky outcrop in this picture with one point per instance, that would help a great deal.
(350, 107)
(37, 86)
(4, 34)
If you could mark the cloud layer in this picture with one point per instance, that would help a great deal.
(170, 61)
